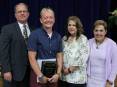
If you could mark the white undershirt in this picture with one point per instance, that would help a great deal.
(50, 35)
(21, 28)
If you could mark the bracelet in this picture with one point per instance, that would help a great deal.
(69, 70)
(109, 82)
(40, 77)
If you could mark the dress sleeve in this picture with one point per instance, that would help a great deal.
(113, 72)
(5, 41)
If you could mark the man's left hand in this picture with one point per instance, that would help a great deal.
(54, 78)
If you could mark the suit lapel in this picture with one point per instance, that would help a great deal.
(30, 28)
(19, 33)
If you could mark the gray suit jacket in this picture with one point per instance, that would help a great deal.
(13, 51)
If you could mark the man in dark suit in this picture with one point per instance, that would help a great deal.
(13, 47)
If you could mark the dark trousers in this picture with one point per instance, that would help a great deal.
(66, 84)
(23, 83)
(33, 82)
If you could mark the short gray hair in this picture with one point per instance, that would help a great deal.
(45, 10)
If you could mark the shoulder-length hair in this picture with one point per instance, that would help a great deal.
(79, 26)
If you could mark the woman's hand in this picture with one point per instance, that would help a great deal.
(108, 84)
(71, 69)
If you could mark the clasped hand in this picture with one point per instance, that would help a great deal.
(69, 70)
(53, 79)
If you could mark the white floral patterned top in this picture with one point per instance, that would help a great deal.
(76, 54)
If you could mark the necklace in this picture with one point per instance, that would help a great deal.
(98, 45)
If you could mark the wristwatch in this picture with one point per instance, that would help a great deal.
(40, 78)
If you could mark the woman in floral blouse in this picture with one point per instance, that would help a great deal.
(75, 49)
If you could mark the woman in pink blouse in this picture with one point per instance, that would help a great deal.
(102, 64)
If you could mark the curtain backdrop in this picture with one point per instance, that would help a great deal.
(87, 10)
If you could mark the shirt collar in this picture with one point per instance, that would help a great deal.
(53, 32)
(21, 25)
